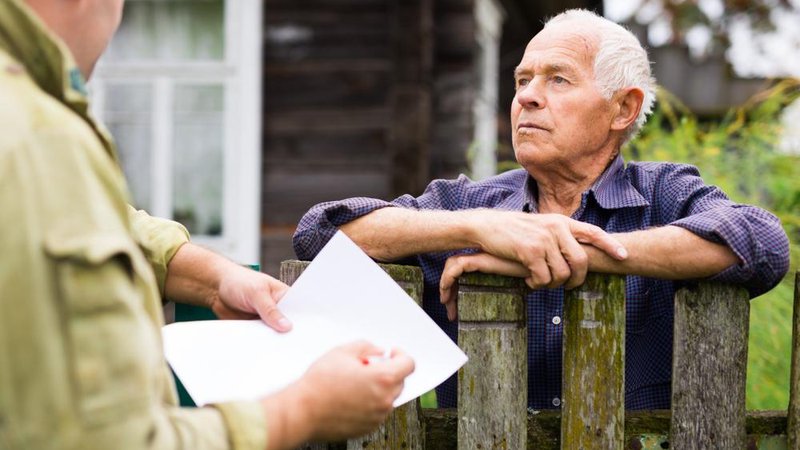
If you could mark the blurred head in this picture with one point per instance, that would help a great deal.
(583, 88)
(85, 26)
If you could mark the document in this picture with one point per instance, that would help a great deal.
(342, 296)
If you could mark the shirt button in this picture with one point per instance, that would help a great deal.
(556, 321)
(556, 402)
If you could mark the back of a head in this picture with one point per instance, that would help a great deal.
(620, 62)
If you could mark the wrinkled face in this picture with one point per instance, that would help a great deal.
(559, 118)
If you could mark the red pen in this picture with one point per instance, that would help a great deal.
(376, 358)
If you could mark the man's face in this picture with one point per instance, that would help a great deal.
(559, 118)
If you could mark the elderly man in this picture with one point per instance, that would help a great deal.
(583, 88)
(82, 277)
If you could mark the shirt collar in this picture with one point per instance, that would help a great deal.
(47, 60)
(612, 190)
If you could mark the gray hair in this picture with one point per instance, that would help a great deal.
(620, 62)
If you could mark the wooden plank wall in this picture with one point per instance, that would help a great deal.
(361, 98)
(327, 72)
(455, 84)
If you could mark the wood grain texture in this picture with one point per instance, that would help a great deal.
(593, 378)
(709, 367)
(493, 384)
(793, 431)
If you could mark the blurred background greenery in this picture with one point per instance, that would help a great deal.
(743, 155)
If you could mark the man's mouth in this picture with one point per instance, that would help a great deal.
(530, 126)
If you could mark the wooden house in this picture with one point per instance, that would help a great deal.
(377, 97)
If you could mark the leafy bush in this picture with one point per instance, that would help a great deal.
(740, 154)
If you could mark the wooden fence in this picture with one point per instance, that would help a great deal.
(708, 383)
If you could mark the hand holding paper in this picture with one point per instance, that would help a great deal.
(342, 296)
(339, 374)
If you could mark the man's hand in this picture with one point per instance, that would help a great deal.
(200, 277)
(247, 294)
(477, 262)
(548, 245)
(340, 396)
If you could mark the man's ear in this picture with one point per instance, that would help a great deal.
(628, 102)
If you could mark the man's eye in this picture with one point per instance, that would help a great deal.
(522, 82)
(558, 80)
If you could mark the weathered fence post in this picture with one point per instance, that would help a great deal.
(593, 386)
(793, 428)
(709, 367)
(493, 385)
(404, 427)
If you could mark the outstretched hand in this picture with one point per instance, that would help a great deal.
(350, 395)
(342, 395)
(198, 276)
(247, 294)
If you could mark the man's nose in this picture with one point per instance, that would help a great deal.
(531, 95)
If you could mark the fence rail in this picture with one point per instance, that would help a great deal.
(708, 387)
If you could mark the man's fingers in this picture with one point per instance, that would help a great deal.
(279, 289)
(271, 315)
(448, 284)
(401, 363)
(475, 262)
(452, 309)
(589, 234)
(576, 258)
(560, 271)
(539, 274)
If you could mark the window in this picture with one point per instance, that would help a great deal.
(179, 89)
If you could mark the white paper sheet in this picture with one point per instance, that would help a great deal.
(342, 296)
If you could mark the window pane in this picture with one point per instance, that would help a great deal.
(198, 158)
(127, 113)
(170, 30)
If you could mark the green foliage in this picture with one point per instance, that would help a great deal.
(740, 154)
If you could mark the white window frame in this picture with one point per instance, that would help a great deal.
(240, 74)
(489, 16)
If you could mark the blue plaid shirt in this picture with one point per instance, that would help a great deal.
(623, 199)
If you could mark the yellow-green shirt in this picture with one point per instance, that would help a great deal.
(82, 275)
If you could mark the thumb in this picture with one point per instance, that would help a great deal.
(268, 311)
(278, 291)
(593, 235)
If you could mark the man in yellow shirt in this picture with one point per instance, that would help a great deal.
(83, 276)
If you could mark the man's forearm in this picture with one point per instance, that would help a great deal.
(389, 234)
(667, 252)
(193, 275)
(288, 423)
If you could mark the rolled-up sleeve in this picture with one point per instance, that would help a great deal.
(159, 239)
(322, 221)
(753, 234)
(227, 426)
(246, 424)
